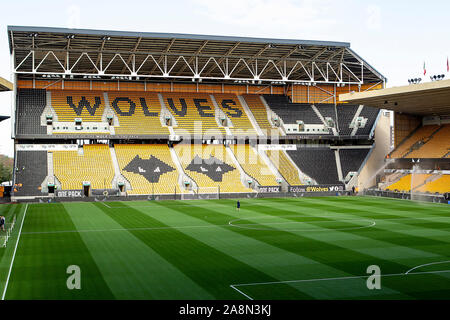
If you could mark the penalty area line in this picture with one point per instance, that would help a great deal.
(14, 254)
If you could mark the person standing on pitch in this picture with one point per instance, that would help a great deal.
(2, 223)
(238, 206)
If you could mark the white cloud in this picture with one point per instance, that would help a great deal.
(373, 17)
(291, 17)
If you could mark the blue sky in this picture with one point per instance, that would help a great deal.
(395, 37)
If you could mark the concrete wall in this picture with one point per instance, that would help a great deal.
(375, 163)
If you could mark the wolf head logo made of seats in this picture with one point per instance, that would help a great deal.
(212, 167)
(151, 169)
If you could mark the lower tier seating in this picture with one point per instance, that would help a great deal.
(440, 185)
(317, 163)
(31, 170)
(148, 168)
(253, 165)
(210, 167)
(285, 167)
(94, 165)
(406, 182)
(352, 159)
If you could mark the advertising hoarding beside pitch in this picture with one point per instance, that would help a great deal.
(316, 188)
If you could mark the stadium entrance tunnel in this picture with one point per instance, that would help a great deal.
(86, 189)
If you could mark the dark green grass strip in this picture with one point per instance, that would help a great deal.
(344, 259)
(209, 268)
(41, 261)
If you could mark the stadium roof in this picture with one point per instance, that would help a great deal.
(189, 56)
(430, 98)
(5, 85)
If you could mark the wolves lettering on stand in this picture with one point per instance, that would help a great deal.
(226, 105)
(212, 167)
(132, 107)
(151, 169)
(201, 109)
(84, 103)
(183, 110)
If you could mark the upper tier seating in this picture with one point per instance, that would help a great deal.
(259, 112)
(138, 113)
(193, 111)
(419, 135)
(404, 184)
(352, 159)
(440, 185)
(253, 165)
(69, 105)
(30, 105)
(210, 166)
(327, 110)
(291, 112)
(231, 106)
(371, 114)
(437, 147)
(94, 165)
(345, 114)
(31, 172)
(148, 168)
(318, 163)
(284, 166)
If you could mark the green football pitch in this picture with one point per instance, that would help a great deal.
(286, 248)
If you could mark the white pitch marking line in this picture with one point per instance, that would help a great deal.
(327, 279)
(14, 254)
(426, 264)
(246, 295)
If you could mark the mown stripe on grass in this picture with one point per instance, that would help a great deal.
(346, 261)
(271, 260)
(131, 269)
(347, 254)
(41, 261)
(207, 266)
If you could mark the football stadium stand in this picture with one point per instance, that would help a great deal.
(138, 113)
(437, 146)
(30, 106)
(291, 112)
(231, 106)
(414, 140)
(94, 165)
(352, 159)
(371, 115)
(194, 113)
(410, 180)
(284, 166)
(70, 105)
(440, 185)
(254, 165)
(345, 115)
(259, 111)
(31, 170)
(311, 161)
(210, 166)
(149, 168)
